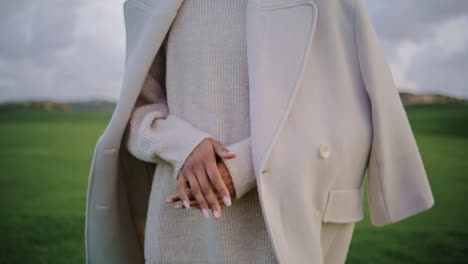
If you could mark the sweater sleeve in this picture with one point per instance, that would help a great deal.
(241, 167)
(155, 135)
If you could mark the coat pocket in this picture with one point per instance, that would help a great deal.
(344, 206)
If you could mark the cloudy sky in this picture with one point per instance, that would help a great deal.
(74, 50)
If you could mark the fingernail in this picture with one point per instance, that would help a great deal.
(178, 206)
(205, 213)
(216, 213)
(186, 204)
(227, 201)
(168, 200)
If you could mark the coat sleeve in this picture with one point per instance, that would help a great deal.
(157, 136)
(398, 186)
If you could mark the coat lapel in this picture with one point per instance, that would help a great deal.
(279, 40)
(147, 23)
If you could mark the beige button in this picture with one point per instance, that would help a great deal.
(318, 216)
(325, 150)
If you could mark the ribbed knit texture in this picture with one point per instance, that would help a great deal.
(198, 88)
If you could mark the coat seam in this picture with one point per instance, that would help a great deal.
(297, 79)
(291, 99)
(89, 199)
(373, 152)
(270, 232)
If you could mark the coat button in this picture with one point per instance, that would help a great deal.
(325, 150)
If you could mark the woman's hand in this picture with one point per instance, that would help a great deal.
(193, 202)
(200, 172)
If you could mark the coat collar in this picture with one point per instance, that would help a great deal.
(279, 38)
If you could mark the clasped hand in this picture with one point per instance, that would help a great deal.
(204, 181)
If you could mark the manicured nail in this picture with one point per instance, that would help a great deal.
(205, 213)
(216, 213)
(168, 200)
(178, 206)
(227, 201)
(186, 204)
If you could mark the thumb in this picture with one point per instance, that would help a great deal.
(222, 151)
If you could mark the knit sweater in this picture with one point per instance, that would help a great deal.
(197, 87)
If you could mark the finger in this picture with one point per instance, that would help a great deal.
(193, 204)
(221, 150)
(182, 190)
(176, 197)
(217, 181)
(197, 192)
(207, 189)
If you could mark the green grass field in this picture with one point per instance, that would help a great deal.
(45, 158)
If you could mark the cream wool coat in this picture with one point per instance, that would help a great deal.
(303, 179)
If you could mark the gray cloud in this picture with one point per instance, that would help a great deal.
(36, 29)
(61, 50)
(413, 19)
(73, 50)
(441, 65)
(426, 43)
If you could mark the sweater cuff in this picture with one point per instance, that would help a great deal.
(172, 140)
(241, 167)
(186, 143)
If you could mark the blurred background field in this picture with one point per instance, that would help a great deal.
(45, 157)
